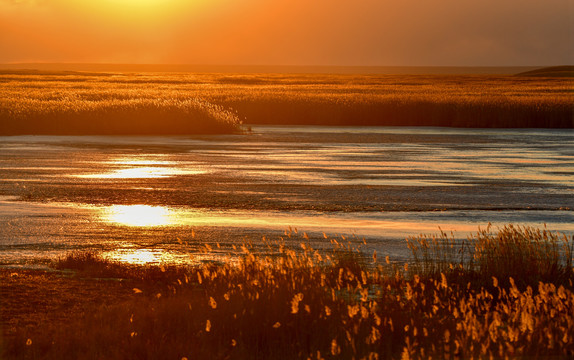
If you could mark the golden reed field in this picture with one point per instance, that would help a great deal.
(130, 103)
(504, 293)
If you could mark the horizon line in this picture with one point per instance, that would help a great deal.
(344, 69)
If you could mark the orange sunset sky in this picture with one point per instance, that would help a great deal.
(289, 32)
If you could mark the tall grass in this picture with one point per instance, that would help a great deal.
(306, 304)
(530, 255)
(525, 253)
(201, 103)
(70, 116)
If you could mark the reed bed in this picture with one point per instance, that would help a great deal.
(217, 103)
(136, 116)
(530, 255)
(304, 304)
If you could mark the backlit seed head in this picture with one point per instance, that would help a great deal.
(212, 303)
(335, 348)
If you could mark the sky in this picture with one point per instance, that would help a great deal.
(289, 32)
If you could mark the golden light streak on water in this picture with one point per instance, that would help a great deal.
(142, 256)
(150, 216)
(144, 167)
(138, 215)
(145, 172)
(141, 161)
(163, 257)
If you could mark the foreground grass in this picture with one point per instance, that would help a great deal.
(92, 103)
(305, 304)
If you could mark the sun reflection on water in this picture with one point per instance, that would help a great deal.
(136, 173)
(160, 256)
(141, 161)
(142, 256)
(142, 168)
(142, 172)
(138, 215)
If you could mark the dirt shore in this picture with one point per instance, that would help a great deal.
(32, 299)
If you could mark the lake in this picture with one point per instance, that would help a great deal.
(167, 199)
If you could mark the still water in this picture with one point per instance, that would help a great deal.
(163, 199)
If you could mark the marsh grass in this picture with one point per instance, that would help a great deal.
(526, 253)
(530, 255)
(88, 103)
(310, 304)
(70, 115)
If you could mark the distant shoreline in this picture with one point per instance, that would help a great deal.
(273, 69)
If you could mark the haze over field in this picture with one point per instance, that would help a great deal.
(289, 32)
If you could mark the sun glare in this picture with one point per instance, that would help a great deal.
(132, 15)
(140, 256)
(141, 3)
(142, 172)
(138, 215)
(147, 172)
(143, 256)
